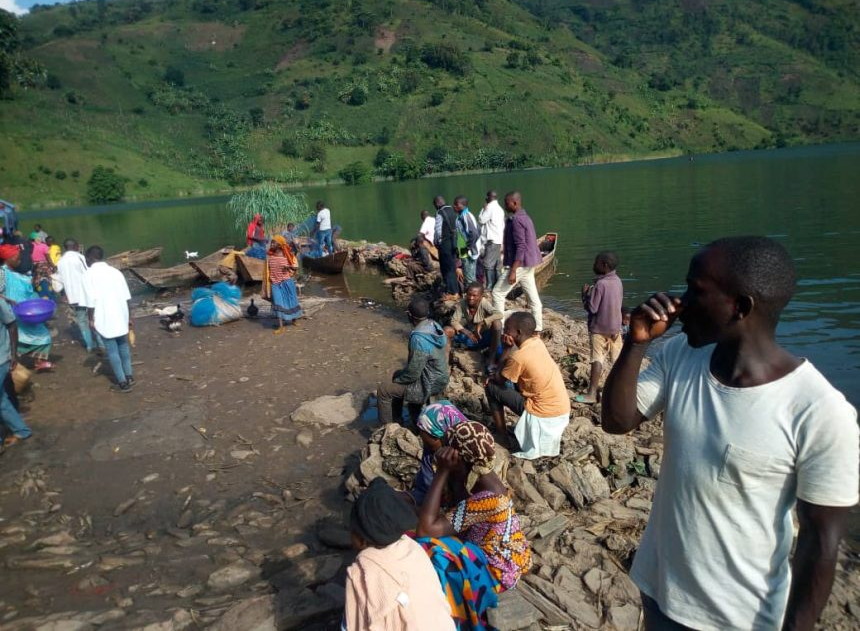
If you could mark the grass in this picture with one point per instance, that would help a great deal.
(754, 80)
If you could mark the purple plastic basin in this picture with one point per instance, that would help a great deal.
(34, 311)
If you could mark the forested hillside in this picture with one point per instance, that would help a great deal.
(185, 97)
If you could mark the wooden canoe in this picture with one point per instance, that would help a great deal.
(180, 275)
(548, 245)
(329, 264)
(133, 258)
(249, 269)
(208, 268)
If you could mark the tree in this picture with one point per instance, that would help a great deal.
(105, 186)
(257, 116)
(355, 173)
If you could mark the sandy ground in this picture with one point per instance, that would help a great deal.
(237, 385)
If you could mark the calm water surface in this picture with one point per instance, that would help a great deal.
(654, 214)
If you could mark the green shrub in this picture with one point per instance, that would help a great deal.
(358, 96)
(105, 186)
(257, 116)
(174, 76)
(143, 182)
(447, 57)
(76, 174)
(60, 175)
(355, 173)
(314, 152)
(290, 147)
(437, 98)
(52, 82)
(381, 157)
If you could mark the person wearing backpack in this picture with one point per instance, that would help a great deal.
(445, 237)
(468, 240)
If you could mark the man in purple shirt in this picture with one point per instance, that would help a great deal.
(520, 257)
(602, 302)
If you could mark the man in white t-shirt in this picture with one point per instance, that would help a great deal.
(72, 267)
(492, 220)
(751, 432)
(106, 297)
(323, 229)
(428, 226)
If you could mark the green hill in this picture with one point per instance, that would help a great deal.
(185, 97)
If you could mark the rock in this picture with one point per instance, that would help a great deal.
(124, 506)
(550, 492)
(62, 538)
(64, 625)
(562, 476)
(251, 614)
(318, 569)
(592, 482)
(372, 468)
(334, 592)
(110, 615)
(638, 503)
(109, 562)
(570, 594)
(523, 488)
(513, 612)
(624, 617)
(327, 410)
(304, 438)
(41, 563)
(185, 519)
(295, 550)
(552, 526)
(593, 579)
(191, 591)
(232, 575)
(242, 454)
(295, 608)
(335, 538)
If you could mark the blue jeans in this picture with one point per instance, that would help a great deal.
(119, 356)
(9, 414)
(87, 334)
(470, 270)
(324, 240)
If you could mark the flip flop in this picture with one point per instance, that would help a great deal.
(581, 398)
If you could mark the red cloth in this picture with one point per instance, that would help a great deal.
(255, 230)
(8, 251)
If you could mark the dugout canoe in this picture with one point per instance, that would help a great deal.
(250, 269)
(329, 264)
(181, 275)
(208, 268)
(548, 245)
(134, 258)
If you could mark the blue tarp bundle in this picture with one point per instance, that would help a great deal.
(215, 305)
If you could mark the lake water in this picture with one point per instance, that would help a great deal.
(654, 214)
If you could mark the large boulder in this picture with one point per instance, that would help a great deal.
(328, 410)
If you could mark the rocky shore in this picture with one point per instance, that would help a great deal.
(215, 495)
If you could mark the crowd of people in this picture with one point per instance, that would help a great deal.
(752, 432)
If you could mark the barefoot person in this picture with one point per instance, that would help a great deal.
(521, 255)
(602, 302)
(280, 284)
(476, 325)
(539, 397)
(752, 433)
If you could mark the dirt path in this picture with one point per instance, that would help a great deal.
(161, 482)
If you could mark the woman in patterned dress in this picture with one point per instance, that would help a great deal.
(280, 286)
(485, 515)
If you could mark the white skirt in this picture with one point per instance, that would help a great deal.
(539, 437)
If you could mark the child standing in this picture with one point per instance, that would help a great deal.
(602, 302)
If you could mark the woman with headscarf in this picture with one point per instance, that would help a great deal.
(34, 339)
(255, 237)
(391, 585)
(435, 419)
(280, 284)
(486, 516)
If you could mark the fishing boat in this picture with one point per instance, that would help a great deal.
(329, 264)
(133, 258)
(208, 269)
(180, 275)
(250, 269)
(547, 244)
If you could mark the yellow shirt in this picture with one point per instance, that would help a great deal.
(54, 254)
(538, 379)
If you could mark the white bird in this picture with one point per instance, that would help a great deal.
(167, 311)
(190, 255)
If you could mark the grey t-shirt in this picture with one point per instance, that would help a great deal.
(6, 317)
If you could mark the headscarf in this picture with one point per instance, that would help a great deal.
(279, 243)
(7, 251)
(251, 233)
(380, 515)
(477, 449)
(437, 418)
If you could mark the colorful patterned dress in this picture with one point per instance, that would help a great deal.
(489, 520)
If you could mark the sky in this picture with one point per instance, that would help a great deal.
(21, 6)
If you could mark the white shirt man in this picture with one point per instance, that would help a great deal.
(324, 219)
(72, 268)
(428, 228)
(492, 220)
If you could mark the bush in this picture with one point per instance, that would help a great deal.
(447, 57)
(60, 175)
(355, 173)
(303, 101)
(73, 97)
(290, 147)
(143, 182)
(174, 76)
(257, 116)
(76, 174)
(358, 96)
(52, 82)
(437, 98)
(381, 158)
(314, 152)
(105, 186)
